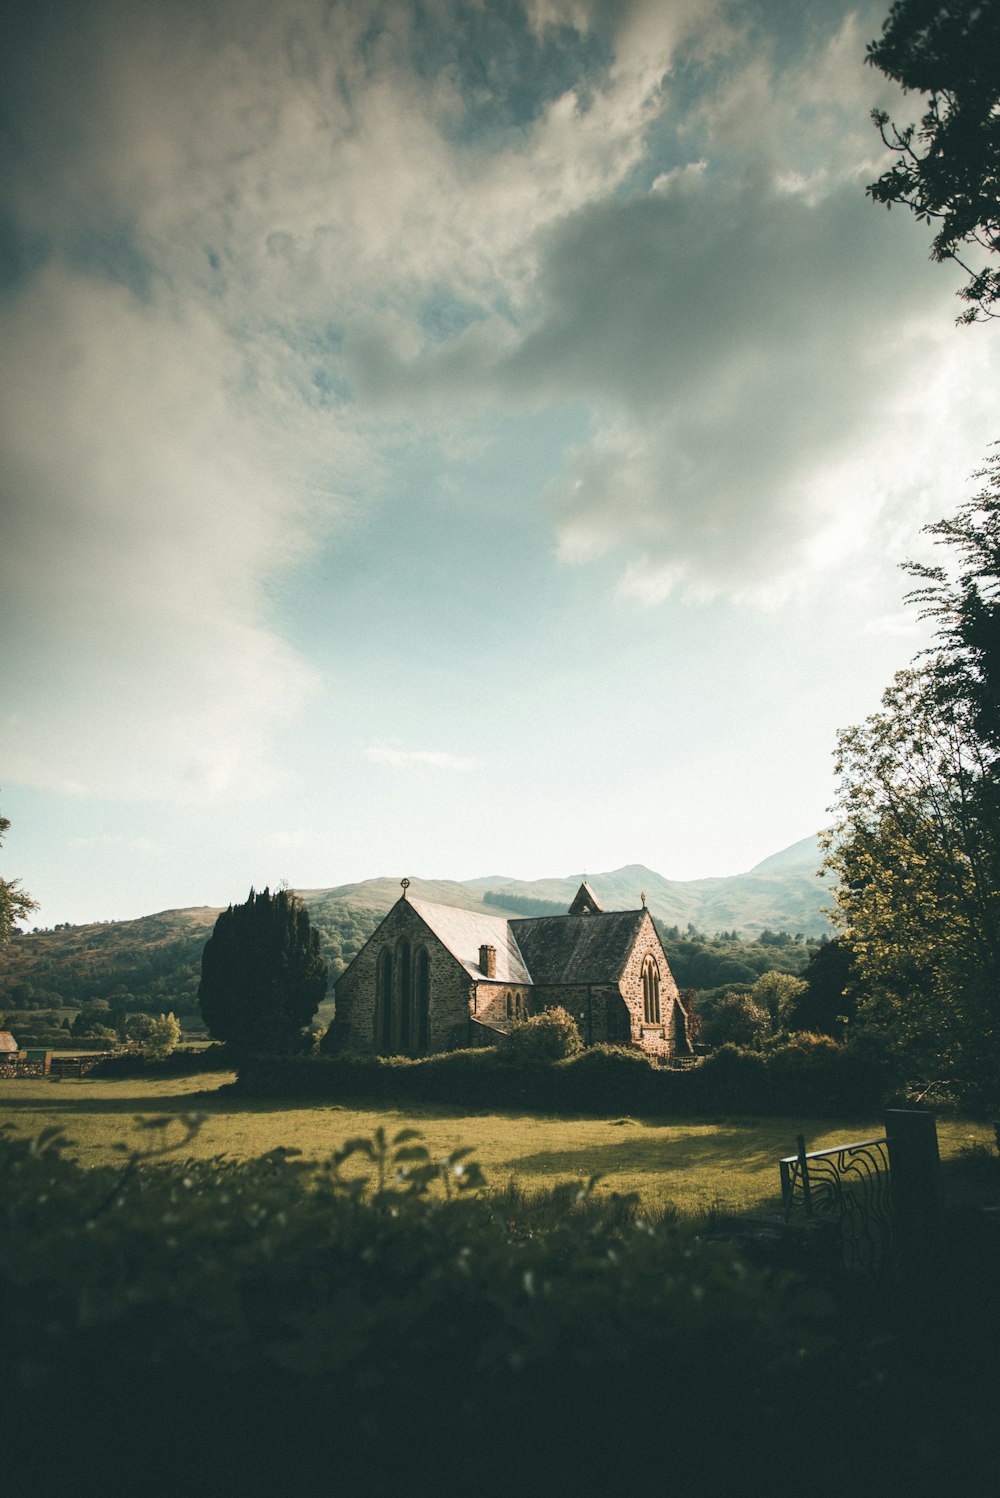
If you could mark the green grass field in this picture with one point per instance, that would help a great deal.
(690, 1164)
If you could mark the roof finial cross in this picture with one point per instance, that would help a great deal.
(404, 885)
(642, 897)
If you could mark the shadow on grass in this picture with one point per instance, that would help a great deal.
(720, 1149)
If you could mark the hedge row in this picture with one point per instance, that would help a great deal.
(180, 1063)
(807, 1074)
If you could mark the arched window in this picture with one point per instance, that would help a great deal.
(510, 1007)
(650, 992)
(383, 1001)
(423, 1002)
(405, 994)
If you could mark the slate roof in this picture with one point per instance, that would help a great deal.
(538, 950)
(463, 932)
(577, 948)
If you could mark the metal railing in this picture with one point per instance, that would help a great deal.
(851, 1184)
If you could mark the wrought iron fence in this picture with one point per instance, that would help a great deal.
(850, 1184)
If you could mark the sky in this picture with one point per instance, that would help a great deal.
(449, 438)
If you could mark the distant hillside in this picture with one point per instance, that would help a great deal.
(806, 855)
(783, 893)
(155, 962)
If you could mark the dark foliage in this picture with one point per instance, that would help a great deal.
(262, 976)
(947, 169)
(183, 1062)
(699, 961)
(523, 904)
(829, 1000)
(797, 1074)
(964, 602)
(274, 1327)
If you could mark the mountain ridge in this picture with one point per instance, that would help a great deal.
(159, 955)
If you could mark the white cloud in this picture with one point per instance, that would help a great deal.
(146, 510)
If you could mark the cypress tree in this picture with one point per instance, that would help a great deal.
(262, 976)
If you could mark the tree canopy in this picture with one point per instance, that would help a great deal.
(965, 602)
(913, 851)
(262, 976)
(15, 902)
(947, 168)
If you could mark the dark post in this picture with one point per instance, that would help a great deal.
(800, 1140)
(915, 1176)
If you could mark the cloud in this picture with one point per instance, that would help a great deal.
(386, 754)
(258, 254)
(742, 332)
(146, 509)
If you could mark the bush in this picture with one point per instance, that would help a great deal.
(736, 1019)
(180, 1063)
(733, 1080)
(358, 1300)
(550, 1036)
(284, 1346)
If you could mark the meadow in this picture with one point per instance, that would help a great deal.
(689, 1164)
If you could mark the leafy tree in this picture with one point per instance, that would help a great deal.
(163, 1037)
(914, 853)
(735, 1019)
(15, 903)
(262, 976)
(965, 602)
(829, 1000)
(947, 169)
(138, 1029)
(93, 1018)
(917, 844)
(778, 993)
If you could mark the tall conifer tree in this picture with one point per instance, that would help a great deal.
(262, 975)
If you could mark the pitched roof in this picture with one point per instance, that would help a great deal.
(463, 932)
(585, 902)
(578, 948)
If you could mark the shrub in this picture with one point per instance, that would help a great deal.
(309, 1329)
(362, 1297)
(736, 1019)
(179, 1063)
(733, 1080)
(550, 1036)
(611, 1079)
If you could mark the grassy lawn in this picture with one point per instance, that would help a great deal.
(691, 1164)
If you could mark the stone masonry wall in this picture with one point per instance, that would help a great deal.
(490, 1005)
(653, 1038)
(449, 988)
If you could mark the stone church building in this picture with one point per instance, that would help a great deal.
(437, 978)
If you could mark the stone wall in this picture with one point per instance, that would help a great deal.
(656, 1039)
(496, 1004)
(449, 989)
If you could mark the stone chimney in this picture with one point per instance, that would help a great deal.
(488, 961)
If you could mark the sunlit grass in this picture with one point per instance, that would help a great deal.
(691, 1164)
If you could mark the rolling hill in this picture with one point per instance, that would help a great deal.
(156, 959)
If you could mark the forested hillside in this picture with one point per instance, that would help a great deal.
(154, 963)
